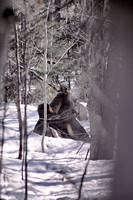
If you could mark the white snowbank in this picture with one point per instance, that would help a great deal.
(52, 175)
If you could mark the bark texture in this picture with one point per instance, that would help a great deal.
(122, 18)
(6, 20)
(97, 73)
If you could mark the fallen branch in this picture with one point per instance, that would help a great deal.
(82, 180)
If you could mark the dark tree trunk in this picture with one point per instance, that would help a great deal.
(122, 18)
(18, 103)
(6, 19)
(25, 139)
(57, 8)
(95, 59)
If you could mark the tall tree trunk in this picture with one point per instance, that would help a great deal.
(95, 67)
(18, 95)
(45, 81)
(6, 20)
(45, 90)
(122, 18)
(25, 149)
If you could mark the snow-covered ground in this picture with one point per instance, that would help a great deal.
(55, 174)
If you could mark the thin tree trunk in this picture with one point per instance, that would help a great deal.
(45, 90)
(45, 82)
(18, 95)
(25, 154)
(51, 37)
(2, 138)
(25, 136)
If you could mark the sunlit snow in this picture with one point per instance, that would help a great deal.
(55, 174)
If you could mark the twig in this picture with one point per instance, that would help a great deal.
(1, 146)
(80, 148)
(87, 153)
(69, 2)
(62, 56)
(36, 75)
(82, 180)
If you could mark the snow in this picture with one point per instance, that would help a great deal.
(55, 174)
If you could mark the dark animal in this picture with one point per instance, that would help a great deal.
(61, 118)
(41, 110)
(39, 126)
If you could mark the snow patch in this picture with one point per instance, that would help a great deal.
(55, 174)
